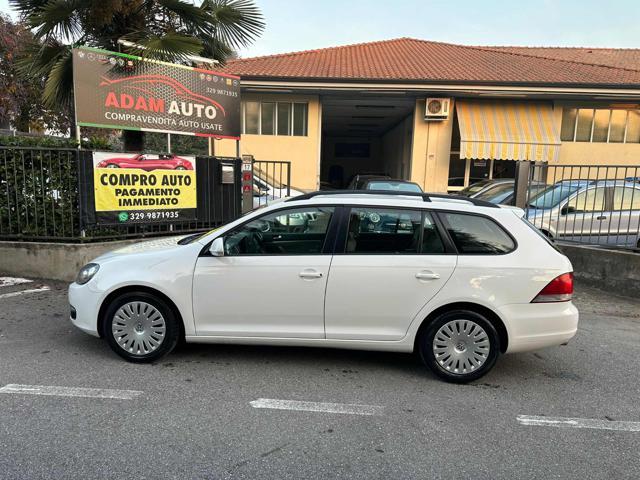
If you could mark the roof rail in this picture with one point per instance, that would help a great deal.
(426, 197)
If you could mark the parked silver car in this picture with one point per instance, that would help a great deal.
(587, 211)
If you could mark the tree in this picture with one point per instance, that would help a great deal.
(21, 106)
(169, 30)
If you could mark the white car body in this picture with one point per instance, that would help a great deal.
(373, 302)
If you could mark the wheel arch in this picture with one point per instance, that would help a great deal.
(135, 289)
(492, 316)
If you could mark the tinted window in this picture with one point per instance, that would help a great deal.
(588, 201)
(289, 232)
(392, 232)
(477, 235)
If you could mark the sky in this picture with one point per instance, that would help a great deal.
(300, 25)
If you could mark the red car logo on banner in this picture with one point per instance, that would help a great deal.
(147, 162)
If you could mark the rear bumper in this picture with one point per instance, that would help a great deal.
(537, 325)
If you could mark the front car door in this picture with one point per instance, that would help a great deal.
(271, 280)
(390, 264)
(584, 216)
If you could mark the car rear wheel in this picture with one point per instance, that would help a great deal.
(459, 346)
(140, 327)
(113, 165)
(180, 168)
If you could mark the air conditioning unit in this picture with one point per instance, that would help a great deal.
(437, 109)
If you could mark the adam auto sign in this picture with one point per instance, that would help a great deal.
(120, 91)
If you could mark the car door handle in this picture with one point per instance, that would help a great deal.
(427, 276)
(601, 217)
(310, 274)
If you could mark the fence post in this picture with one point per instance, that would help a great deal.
(523, 173)
(247, 183)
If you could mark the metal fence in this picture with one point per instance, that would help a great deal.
(587, 204)
(271, 181)
(41, 198)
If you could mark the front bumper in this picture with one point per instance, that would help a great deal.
(537, 325)
(86, 303)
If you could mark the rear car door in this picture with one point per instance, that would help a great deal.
(624, 221)
(389, 263)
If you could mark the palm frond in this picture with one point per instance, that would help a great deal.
(58, 89)
(235, 22)
(171, 47)
(190, 16)
(56, 17)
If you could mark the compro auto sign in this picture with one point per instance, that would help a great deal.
(143, 188)
(120, 91)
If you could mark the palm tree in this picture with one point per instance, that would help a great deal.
(169, 30)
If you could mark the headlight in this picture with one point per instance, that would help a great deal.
(86, 273)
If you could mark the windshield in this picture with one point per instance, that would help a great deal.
(394, 186)
(497, 193)
(553, 195)
(474, 188)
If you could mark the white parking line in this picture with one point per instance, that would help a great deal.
(70, 391)
(533, 420)
(10, 281)
(22, 292)
(346, 408)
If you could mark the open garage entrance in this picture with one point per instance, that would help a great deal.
(364, 135)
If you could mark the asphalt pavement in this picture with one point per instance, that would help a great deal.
(70, 408)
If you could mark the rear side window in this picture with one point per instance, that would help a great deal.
(475, 235)
(392, 232)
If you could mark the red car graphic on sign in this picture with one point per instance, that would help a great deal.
(147, 162)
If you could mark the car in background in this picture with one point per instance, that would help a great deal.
(589, 211)
(503, 191)
(148, 162)
(475, 186)
(360, 179)
(389, 184)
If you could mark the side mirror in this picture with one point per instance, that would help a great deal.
(217, 247)
(567, 209)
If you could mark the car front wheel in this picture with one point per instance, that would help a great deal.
(140, 327)
(459, 346)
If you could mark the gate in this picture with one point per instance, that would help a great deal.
(271, 181)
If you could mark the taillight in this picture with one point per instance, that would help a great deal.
(560, 289)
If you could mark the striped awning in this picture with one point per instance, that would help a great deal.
(507, 131)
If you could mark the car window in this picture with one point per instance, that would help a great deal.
(394, 186)
(474, 187)
(392, 232)
(553, 195)
(300, 231)
(591, 200)
(495, 193)
(473, 234)
(626, 198)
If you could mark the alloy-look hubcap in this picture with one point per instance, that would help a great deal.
(461, 346)
(138, 327)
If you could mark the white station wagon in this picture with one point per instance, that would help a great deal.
(458, 281)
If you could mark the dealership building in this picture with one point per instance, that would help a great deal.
(439, 114)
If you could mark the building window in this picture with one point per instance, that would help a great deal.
(600, 125)
(274, 118)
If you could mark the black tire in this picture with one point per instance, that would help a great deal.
(428, 356)
(168, 340)
(113, 165)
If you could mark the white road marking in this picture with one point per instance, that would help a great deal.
(70, 391)
(533, 420)
(10, 281)
(22, 292)
(346, 408)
